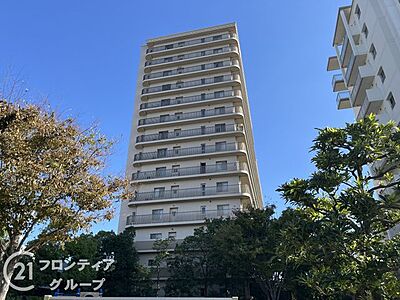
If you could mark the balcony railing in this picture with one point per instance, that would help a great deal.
(178, 172)
(179, 217)
(187, 151)
(190, 55)
(190, 115)
(345, 45)
(220, 64)
(186, 84)
(190, 43)
(189, 132)
(188, 193)
(188, 99)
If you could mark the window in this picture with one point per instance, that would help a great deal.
(202, 168)
(372, 50)
(221, 165)
(161, 153)
(382, 74)
(203, 209)
(177, 132)
(222, 209)
(163, 134)
(165, 102)
(150, 262)
(172, 235)
(170, 46)
(219, 110)
(220, 128)
(222, 186)
(161, 171)
(175, 170)
(218, 64)
(391, 100)
(358, 11)
(203, 189)
(179, 84)
(220, 146)
(218, 50)
(178, 115)
(219, 94)
(365, 30)
(181, 44)
(159, 192)
(166, 87)
(217, 37)
(168, 59)
(180, 70)
(203, 148)
(180, 57)
(167, 73)
(176, 150)
(218, 78)
(173, 211)
(179, 99)
(156, 214)
(174, 190)
(156, 236)
(164, 118)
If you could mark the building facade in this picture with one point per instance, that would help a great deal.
(367, 61)
(191, 153)
(367, 44)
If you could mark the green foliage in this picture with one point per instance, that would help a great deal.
(345, 209)
(51, 179)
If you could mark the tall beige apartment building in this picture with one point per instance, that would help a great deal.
(191, 153)
(367, 61)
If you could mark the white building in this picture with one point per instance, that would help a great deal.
(367, 44)
(191, 153)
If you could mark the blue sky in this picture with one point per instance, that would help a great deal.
(84, 55)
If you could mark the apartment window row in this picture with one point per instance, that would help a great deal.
(157, 214)
(219, 166)
(220, 187)
(188, 56)
(218, 146)
(190, 42)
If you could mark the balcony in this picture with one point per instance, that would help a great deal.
(372, 103)
(182, 117)
(338, 83)
(333, 64)
(189, 57)
(195, 43)
(188, 216)
(161, 173)
(357, 59)
(345, 53)
(342, 18)
(170, 135)
(190, 99)
(364, 81)
(184, 72)
(185, 85)
(235, 189)
(343, 100)
(190, 151)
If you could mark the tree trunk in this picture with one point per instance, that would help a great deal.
(4, 286)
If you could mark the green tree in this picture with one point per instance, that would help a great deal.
(126, 277)
(195, 265)
(51, 179)
(347, 206)
(162, 248)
